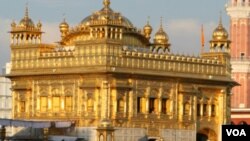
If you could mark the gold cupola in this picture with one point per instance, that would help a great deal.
(39, 25)
(147, 30)
(64, 28)
(13, 24)
(220, 41)
(220, 33)
(106, 16)
(161, 41)
(26, 21)
(26, 32)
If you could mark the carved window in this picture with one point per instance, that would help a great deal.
(152, 105)
(198, 110)
(56, 103)
(139, 104)
(101, 137)
(186, 109)
(120, 105)
(213, 110)
(205, 109)
(164, 105)
(22, 106)
(68, 103)
(43, 103)
(90, 104)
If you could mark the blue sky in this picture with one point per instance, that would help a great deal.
(182, 19)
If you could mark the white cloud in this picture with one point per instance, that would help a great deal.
(185, 35)
(52, 33)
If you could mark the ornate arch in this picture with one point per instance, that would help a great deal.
(206, 134)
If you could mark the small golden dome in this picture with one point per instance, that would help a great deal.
(26, 21)
(161, 36)
(64, 26)
(106, 13)
(13, 24)
(106, 3)
(220, 33)
(39, 24)
(147, 29)
(105, 123)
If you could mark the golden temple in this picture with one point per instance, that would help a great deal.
(108, 79)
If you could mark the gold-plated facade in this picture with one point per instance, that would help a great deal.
(105, 73)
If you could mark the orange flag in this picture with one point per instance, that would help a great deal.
(202, 39)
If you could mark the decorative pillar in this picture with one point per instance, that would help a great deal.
(45, 134)
(120, 34)
(180, 105)
(105, 131)
(131, 102)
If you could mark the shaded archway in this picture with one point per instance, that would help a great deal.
(242, 123)
(201, 137)
(206, 134)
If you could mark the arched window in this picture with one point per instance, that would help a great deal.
(56, 103)
(164, 105)
(205, 109)
(22, 106)
(90, 104)
(186, 108)
(101, 137)
(198, 110)
(43, 103)
(68, 103)
(141, 105)
(243, 123)
(120, 105)
(213, 110)
(153, 102)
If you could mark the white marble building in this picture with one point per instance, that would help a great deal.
(5, 97)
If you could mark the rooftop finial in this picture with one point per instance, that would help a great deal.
(161, 27)
(148, 20)
(106, 3)
(220, 20)
(27, 10)
(64, 17)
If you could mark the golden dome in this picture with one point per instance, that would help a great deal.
(147, 29)
(64, 26)
(13, 24)
(106, 13)
(105, 123)
(39, 24)
(161, 36)
(220, 33)
(26, 21)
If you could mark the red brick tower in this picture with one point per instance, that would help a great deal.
(239, 12)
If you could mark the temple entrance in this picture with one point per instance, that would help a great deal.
(154, 139)
(206, 134)
(201, 137)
